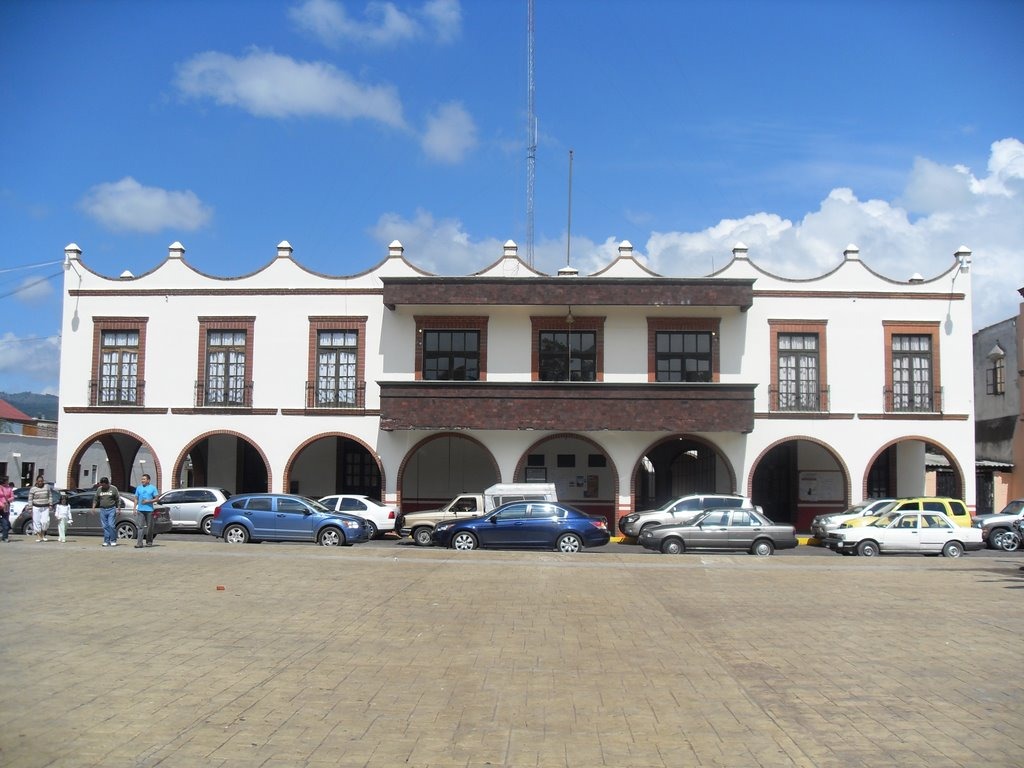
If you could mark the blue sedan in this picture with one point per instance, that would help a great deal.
(543, 524)
(283, 517)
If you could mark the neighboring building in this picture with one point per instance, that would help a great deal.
(28, 446)
(999, 412)
(624, 388)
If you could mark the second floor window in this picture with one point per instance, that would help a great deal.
(995, 377)
(912, 372)
(567, 356)
(225, 368)
(451, 355)
(337, 360)
(683, 355)
(798, 372)
(119, 373)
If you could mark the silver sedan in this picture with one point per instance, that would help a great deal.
(722, 529)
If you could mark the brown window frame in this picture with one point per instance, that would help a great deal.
(656, 325)
(425, 323)
(318, 324)
(790, 327)
(539, 324)
(229, 324)
(103, 325)
(893, 328)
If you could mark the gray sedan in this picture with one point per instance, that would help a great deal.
(85, 519)
(723, 529)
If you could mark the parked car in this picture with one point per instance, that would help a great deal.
(379, 517)
(822, 524)
(994, 527)
(191, 509)
(679, 510)
(86, 520)
(915, 532)
(952, 508)
(722, 529)
(284, 517)
(538, 524)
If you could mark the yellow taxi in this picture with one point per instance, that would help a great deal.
(954, 509)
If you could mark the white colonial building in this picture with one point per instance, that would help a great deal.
(624, 388)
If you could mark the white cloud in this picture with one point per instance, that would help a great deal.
(986, 214)
(989, 219)
(450, 134)
(35, 359)
(34, 289)
(270, 85)
(126, 205)
(384, 23)
(440, 246)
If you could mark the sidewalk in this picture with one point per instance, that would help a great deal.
(418, 657)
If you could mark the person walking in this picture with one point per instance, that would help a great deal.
(6, 497)
(40, 501)
(145, 494)
(63, 513)
(107, 498)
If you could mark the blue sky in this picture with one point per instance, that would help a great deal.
(795, 127)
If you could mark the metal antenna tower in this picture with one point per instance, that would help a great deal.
(531, 134)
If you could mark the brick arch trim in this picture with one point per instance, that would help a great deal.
(429, 439)
(286, 477)
(104, 439)
(521, 464)
(183, 453)
(953, 462)
(671, 438)
(782, 441)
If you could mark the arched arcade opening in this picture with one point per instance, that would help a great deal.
(223, 460)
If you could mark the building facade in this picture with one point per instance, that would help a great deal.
(624, 388)
(999, 412)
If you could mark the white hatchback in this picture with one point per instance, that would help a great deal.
(380, 517)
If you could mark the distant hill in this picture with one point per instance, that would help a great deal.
(33, 404)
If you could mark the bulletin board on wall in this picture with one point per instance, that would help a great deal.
(821, 485)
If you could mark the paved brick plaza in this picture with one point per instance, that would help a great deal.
(398, 656)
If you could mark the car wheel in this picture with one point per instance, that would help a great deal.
(1009, 541)
(422, 536)
(569, 542)
(126, 531)
(867, 548)
(673, 546)
(204, 526)
(645, 527)
(952, 549)
(26, 528)
(464, 541)
(371, 530)
(762, 548)
(236, 534)
(330, 537)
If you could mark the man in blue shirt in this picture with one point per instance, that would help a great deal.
(145, 493)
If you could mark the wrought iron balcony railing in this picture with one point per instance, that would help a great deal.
(345, 397)
(103, 393)
(231, 396)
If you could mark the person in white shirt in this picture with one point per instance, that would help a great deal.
(63, 514)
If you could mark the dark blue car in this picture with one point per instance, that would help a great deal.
(543, 524)
(283, 517)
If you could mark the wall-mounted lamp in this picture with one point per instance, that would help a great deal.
(569, 319)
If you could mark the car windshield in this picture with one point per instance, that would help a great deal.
(317, 506)
(884, 520)
(1013, 508)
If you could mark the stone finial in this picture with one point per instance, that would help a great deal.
(739, 251)
(963, 258)
(127, 275)
(395, 250)
(284, 250)
(852, 253)
(175, 250)
(511, 249)
(625, 250)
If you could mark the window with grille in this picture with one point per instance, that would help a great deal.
(567, 356)
(996, 377)
(799, 388)
(912, 372)
(337, 363)
(683, 355)
(225, 368)
(119, 368)
(451, 355)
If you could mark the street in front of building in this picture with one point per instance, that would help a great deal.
(194, 652)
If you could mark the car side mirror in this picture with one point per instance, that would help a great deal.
(494, 519)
